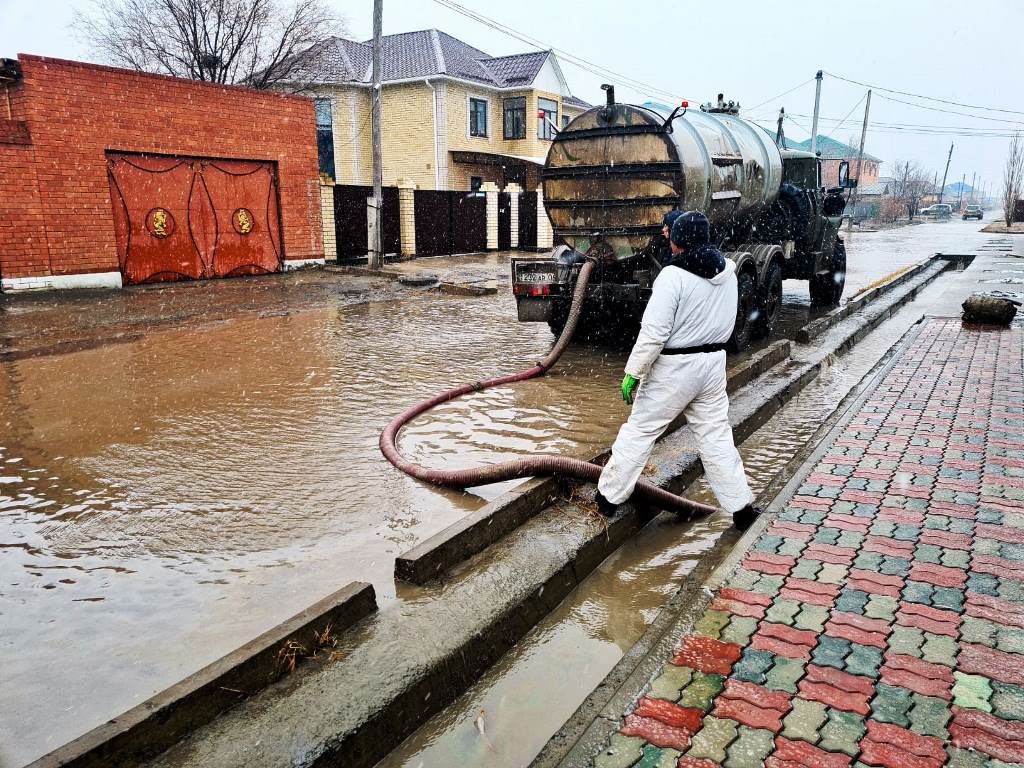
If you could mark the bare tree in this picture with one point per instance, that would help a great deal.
(1013, 177)
(909, 186)
(251, 42)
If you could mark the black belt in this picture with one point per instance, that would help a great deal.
(720, 347)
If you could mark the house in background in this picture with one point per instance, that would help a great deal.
(452, 116)
(832, 153)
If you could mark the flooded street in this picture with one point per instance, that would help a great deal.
(166, 498)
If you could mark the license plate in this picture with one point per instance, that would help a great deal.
(536, 277)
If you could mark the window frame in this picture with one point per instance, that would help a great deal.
(544, 130)
(325, 155)
(472, 114)
(506, 110)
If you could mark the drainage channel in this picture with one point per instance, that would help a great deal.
(506, 718)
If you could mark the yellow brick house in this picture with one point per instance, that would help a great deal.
(452, 116)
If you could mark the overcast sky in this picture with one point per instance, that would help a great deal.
(752, 50)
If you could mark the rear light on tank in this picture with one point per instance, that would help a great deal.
(531, 290)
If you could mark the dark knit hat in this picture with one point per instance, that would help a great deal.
(691, 229)
(670, 218)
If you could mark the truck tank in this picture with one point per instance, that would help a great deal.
(616, 170)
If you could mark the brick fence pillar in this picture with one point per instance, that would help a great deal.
(327, 220)
(545, 237)
(407, 217)
(514, 191)
(490, 189)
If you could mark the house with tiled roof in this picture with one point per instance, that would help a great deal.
(452, 116)
(832, 153)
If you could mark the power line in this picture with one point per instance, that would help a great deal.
(784, 93)
(923, 128)
(927, 98)
(951, 111)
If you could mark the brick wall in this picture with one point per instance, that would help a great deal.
(55, 207)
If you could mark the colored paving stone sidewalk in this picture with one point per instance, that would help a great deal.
(878, 620)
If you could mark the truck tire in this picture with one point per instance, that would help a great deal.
(745, 305)
(827, 289)
(769, 301)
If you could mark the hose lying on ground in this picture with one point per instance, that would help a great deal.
(531, 466)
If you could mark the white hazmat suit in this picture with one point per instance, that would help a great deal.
(684, 311)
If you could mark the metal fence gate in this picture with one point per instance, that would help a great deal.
(350, 221)
(449, 222)
(504, 221)
(528, 220)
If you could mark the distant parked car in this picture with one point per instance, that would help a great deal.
(973, 212)
(937, 211)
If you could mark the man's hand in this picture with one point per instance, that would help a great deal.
(628, 388)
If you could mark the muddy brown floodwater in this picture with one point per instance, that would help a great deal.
(164, 500)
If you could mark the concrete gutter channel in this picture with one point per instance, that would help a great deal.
(392, 670)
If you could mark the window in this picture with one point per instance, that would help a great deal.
(547, 118)
(515, 118)
(475, 182)
(324, 136)
(565, 121)
(477, 117)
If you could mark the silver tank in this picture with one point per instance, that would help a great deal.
(615, 171)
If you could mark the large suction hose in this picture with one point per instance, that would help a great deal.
(529, 466)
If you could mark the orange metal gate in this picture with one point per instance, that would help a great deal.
(178, 218)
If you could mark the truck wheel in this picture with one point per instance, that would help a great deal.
(770, 301)
(827, 289)
(745, 306)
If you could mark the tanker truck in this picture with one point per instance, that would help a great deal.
(614, 171)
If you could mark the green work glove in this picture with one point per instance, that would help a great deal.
(628, 388)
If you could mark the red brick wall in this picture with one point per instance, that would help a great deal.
(76, 112)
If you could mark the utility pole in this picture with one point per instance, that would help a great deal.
(860, 158)
(814, 121)
(780, 134)
(945, 173)
(973, 176)
(375, 212)
(960, 197)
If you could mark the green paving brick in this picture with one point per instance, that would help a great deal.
(939, 649)
(750, 748)
(711, 623)
(804, 720)
(768, 584)
(850, 539)
(881, 607)
(973, 691)
(958, 525)
(986, 547)
(811, 617)
(948, 599)
(702, 690)
(806, 569)
(739, 630)
(655, 757)
(868, 561)
(744, 579)
(784, 674)
(826, 535)
(982, 631)
(831, 573)
(842, 732)
(851, 601)
(1010, 639)
(956, 558)
(768, 543)
(1012, 590)
(928, 553)
(929, 715)
(881, 528)
(891, 704)
(792, 547)
(965, 758)
(863, 660)
(918, 592)
(1007, 701)
(711, 741)
(782, 611)
(936, 522)
(906, 640)
(621, 752)
(670, 683)
(752, 666)
(895, 566)
(831, 652)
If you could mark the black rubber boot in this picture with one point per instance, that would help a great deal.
(745, 517)
(604, 506)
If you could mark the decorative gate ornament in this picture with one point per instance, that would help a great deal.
(242, 220)
(160, 223)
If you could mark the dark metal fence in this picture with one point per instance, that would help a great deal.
(350, 221)
(449, 222)
(528, 220)
(504, 221)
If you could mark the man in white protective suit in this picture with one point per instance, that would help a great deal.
(678, 362)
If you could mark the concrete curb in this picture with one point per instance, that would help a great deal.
(157, 723)
(471, 534)
(585, 734)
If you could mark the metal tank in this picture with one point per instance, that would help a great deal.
(616, 170)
